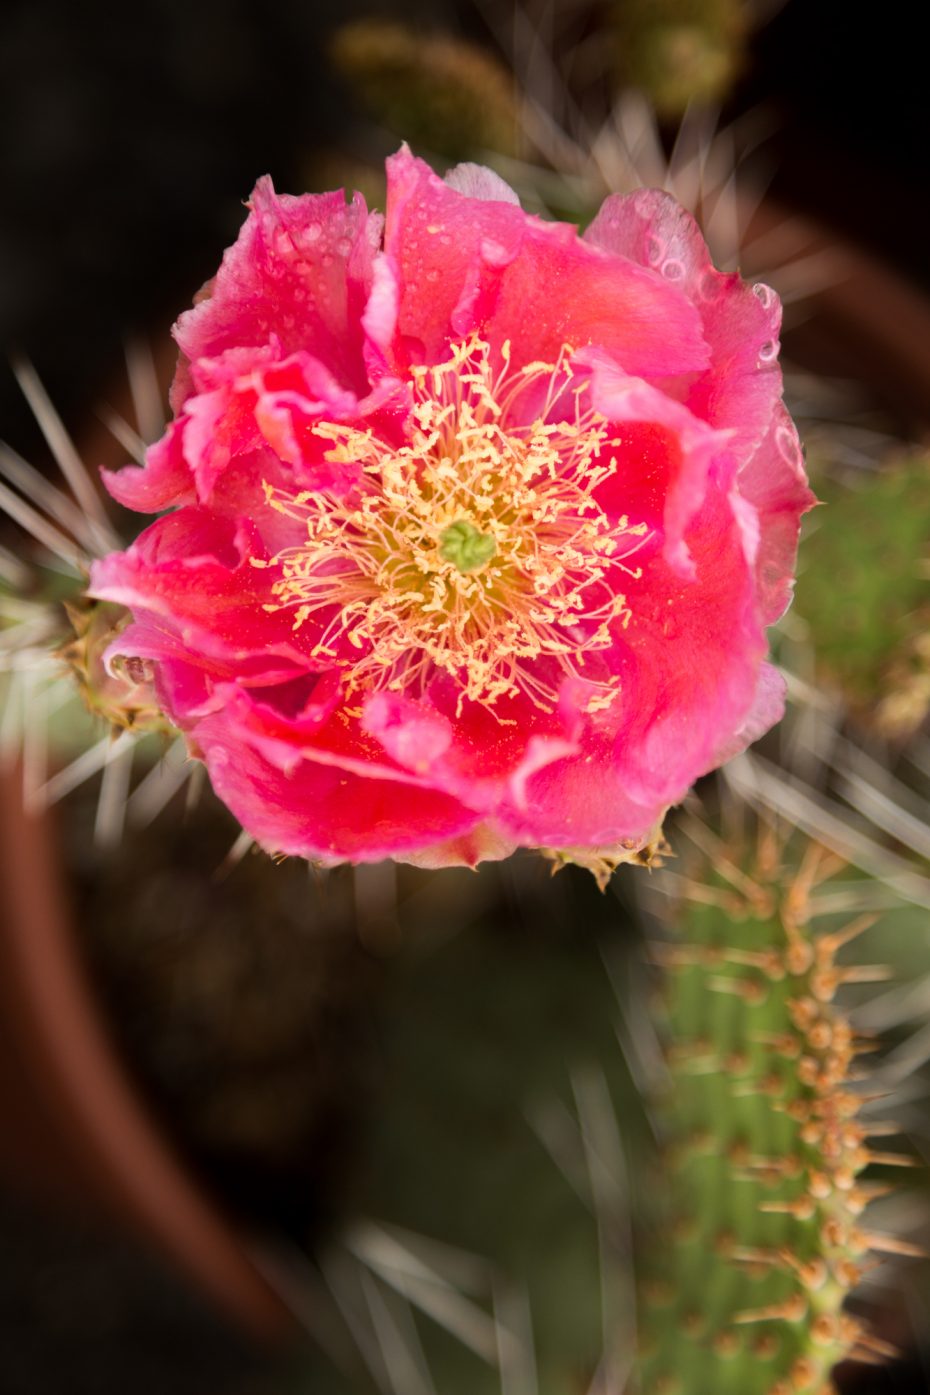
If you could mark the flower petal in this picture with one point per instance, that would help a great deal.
(301, 270)
(478, 182)
(552, 288)
(617, 693)
(773, 481)
(742, 384)
(164, 481)
(325, 812)
(691, 447)
(194, 570)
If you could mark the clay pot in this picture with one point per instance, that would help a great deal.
(74, 1124)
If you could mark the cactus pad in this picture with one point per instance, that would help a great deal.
(761, 1233)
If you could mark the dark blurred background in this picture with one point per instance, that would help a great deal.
(132, 134)
(129, 137)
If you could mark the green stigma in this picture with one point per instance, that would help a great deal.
(466, 548)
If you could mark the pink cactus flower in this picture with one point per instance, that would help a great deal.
(475, 524)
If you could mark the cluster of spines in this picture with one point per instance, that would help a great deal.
(760, 1233)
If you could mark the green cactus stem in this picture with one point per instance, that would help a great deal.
(760, 1233)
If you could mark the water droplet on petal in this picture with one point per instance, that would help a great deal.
(768, 351)
(655, 250)
(673, 270)
(764, 294)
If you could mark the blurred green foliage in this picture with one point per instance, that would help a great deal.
(679, 51)
(481, 1037)
(865, 592)
(444, 95)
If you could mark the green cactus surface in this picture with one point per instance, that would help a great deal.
(759, 1232)
(865, 593)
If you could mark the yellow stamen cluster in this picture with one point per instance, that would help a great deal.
(478, 547)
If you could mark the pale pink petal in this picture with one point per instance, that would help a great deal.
(478, 182)
(774, 482)
(411, 734)
(484, 843)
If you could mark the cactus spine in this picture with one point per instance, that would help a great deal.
(760, 1235)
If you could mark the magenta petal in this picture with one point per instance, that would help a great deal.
(768, 708)
(624, 399)
(481, 292)
(300, 270)
(773, 481)
(164, 481)
(285, 739)
(741, 324)
(689, 663)
(470, 755)
(411, 734)
(189, 569)
(554, 289)
(692, 661)
(478, 182)
(581, 802)
(364, 680)
(290, 398)
(493, 755)
(379, 320)
(325, 812)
